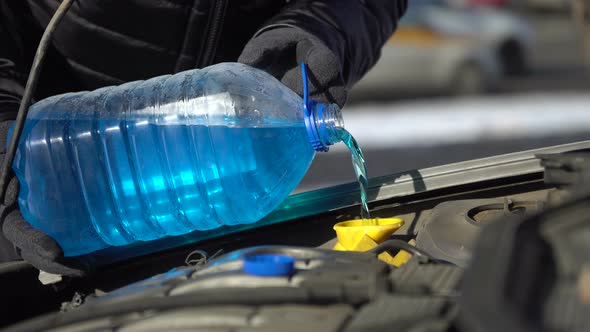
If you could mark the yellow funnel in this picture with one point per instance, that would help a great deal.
(365, 234)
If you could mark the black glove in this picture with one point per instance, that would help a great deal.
(280, 50)
(34, 246)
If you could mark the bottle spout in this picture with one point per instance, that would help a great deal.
(323, 121)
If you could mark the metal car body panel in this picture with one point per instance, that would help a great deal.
(307, 204)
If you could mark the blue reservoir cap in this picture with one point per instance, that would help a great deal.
(269, 265)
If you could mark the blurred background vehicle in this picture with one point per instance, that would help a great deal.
(420, 59)
(451, 49)
(509, 35)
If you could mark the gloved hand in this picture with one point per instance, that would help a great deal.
(34, 246)
(280, 50)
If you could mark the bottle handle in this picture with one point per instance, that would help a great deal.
(311, 123)
(305, 87)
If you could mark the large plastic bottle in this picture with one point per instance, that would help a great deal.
(223, 145)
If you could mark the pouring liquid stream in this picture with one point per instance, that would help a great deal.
(360, 169)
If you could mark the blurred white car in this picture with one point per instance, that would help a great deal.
(509, 35)
(441, 48)
(420, 59)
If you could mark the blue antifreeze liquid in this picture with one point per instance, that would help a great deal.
(360, 168)
(137, 181)
(175, 154)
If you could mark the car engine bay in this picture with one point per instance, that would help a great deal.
(509, 253)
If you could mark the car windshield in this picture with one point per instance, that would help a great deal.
(462, 80)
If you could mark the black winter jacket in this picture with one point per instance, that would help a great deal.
(106, 42)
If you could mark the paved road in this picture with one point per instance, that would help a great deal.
(558, 66)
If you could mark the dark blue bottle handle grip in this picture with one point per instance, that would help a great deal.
(311, 123)
(305, 87)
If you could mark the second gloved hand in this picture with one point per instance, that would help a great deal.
(280, 50)
(32, 245)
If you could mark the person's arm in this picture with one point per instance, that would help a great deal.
(12, 78)
(343, 38)
(18, 239)
(11, 91)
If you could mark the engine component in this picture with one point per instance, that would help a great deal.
(532, 271)
(453, 227)
(327, 291)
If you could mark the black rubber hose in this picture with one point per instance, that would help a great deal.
(30, 88)
(209, 297)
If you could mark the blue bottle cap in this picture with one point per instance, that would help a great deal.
(269, 265)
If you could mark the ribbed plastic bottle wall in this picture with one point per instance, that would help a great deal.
(174, 154)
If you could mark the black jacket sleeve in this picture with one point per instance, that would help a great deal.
(11, 90)
(11, 51)
(355, 30)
